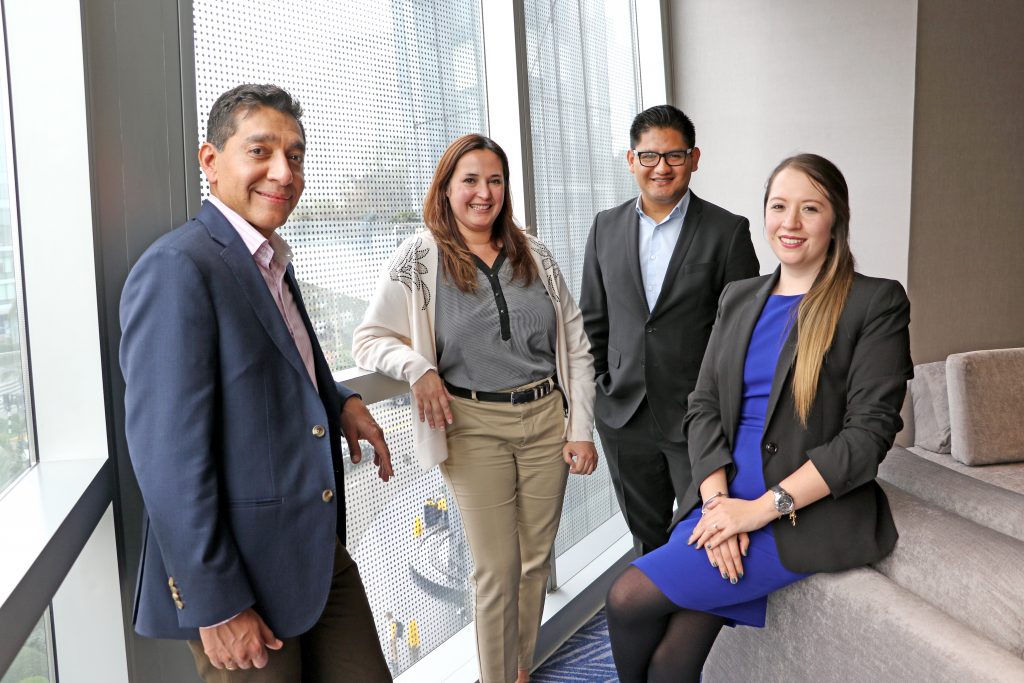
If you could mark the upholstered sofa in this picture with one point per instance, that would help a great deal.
(948, 603)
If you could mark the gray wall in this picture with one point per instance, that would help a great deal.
(763, 80)
(139, 121)
(967, 227)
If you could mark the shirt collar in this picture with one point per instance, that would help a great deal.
(253, 238)
(678, 210)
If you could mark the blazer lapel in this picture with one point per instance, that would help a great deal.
(734, 360)
(241, 264)
(691, 224)
(632, 222)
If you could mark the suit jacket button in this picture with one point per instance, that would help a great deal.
(179, 604)
(328, 495)
(170, 581)
(319, 431)
(771, 448)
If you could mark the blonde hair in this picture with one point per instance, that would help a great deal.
(820, 309)
(456, 258)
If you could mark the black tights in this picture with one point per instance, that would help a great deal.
(653, 640)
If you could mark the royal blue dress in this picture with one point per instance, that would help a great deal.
(684, 573)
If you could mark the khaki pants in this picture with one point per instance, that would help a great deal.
(342, 646)
(506, 472)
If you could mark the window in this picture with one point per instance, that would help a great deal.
(32, 665)
(385, 88)
(584, 93)
(15, 406)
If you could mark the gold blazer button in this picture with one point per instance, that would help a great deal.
(319, 431)
(328, 495)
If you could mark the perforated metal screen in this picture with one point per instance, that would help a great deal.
(581, 66)
(385, 87)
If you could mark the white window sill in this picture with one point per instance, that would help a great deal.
(45, 520)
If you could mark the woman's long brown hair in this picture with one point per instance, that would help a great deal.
(821, 307)
(456, 258)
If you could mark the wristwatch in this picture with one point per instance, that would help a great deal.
(784, 503)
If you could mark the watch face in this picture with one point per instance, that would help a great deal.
(783, 501)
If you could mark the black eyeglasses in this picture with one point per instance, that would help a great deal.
(674, 158)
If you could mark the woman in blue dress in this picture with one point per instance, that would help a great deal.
(797, 402)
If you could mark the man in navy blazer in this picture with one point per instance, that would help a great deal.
(234, 426)
(652, 272)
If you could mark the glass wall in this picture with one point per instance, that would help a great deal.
(584, 93)
(15, 406)
(32, 665)
(385, 87)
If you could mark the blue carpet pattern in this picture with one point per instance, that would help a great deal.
(585, 658)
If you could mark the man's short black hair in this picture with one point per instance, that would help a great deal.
(223, 120)
(662, 116)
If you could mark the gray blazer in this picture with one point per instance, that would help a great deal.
(639, 352)
(851, 426)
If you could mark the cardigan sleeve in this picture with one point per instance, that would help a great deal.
(383, 341)
(581, 367)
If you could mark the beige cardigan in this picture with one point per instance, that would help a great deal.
(396, 337)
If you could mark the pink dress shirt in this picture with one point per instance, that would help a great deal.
(273, 256)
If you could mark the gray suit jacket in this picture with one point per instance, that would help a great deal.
(656, 354)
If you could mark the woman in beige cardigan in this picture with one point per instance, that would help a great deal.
(475, 316)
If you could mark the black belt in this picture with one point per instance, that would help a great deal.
(513, 397)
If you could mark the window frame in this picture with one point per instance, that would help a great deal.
(76, 101)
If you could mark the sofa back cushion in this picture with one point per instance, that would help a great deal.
(931, 407)
(986, 406)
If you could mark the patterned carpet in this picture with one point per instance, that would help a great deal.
(585, 658)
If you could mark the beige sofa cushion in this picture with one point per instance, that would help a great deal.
(931, 407)
(986, 406)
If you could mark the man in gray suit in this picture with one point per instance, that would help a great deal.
(653, 271)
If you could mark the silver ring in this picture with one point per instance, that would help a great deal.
(229, 668)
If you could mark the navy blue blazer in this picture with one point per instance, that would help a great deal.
(235, 452)
(851, 426)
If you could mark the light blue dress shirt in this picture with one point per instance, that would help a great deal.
(657, 242)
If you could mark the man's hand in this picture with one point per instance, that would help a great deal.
(581, 456)
(240, 643)
(357, 423)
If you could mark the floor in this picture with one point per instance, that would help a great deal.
(585, 658)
